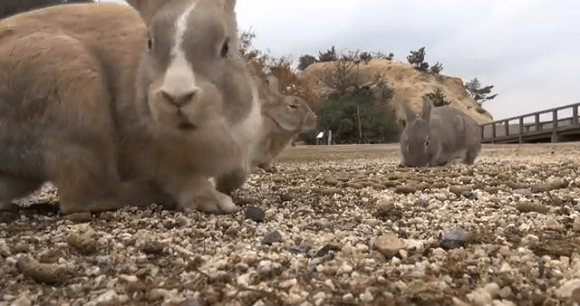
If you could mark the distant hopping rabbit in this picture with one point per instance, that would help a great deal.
(437, 136)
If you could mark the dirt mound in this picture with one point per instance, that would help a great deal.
(408, 83)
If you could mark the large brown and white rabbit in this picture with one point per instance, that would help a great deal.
(119, 106)
(438, 135)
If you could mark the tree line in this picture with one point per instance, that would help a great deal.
(416, 58)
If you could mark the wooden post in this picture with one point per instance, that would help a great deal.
(493, 132)
(521, 129)
(555, 119)
(537, 118)
(507, 128)
(575, 115)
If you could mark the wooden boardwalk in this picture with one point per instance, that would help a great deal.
(551, 125)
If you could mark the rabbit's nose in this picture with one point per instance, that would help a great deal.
(179, 98)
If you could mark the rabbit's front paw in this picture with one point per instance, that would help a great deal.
(268, 167)
(202, 196)
(227, 183)
(226, 204)
(217, 203)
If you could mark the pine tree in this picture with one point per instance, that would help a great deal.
(478, 93)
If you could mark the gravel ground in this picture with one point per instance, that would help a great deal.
(340, 225)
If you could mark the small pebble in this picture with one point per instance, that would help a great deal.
(286, 197)
(79, 217)
(389, 244)
(453, 239)
(43, 273)
(83, 238)
(366, 297)
(255, 213)
(326, 249)
(272, 237)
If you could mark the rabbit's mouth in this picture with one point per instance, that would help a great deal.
(187, 126)
(184, 122)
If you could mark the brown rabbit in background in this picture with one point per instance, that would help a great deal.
(284, 116)
(119, 108)
(438, 135)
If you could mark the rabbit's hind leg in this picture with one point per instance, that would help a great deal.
(86, 180)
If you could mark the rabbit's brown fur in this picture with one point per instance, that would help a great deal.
(86, 104)
(284, 116)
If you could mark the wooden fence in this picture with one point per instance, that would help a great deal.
(558, 127)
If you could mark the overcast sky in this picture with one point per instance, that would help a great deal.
(528, 49)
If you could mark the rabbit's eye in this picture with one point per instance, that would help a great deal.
(150, 43)
(225, 49)
(293, 106)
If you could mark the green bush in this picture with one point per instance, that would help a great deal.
(438, 98)
(305, 60)
(352, 115)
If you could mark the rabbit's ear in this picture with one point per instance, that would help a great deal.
(409, 113)
(272, 82)
(229, 4)
(147, 8)
(255, 68)
(426, 112)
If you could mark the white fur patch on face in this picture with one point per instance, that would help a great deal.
(179, 78)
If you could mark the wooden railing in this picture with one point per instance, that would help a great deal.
(516, 129)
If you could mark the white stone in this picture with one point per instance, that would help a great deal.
(348, 298)
(111, 298)
(505, 292)
(480, 297)
(493, 289)
(128, 278)
(288, 283)
(345, 268)
(503, 303)
(319, 296)
(565, 291)
(458, 302)
(505, 268)
(366, 297)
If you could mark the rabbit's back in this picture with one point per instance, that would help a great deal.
(459, 133)
(45, 52)
(47, 57)
(63, 72)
